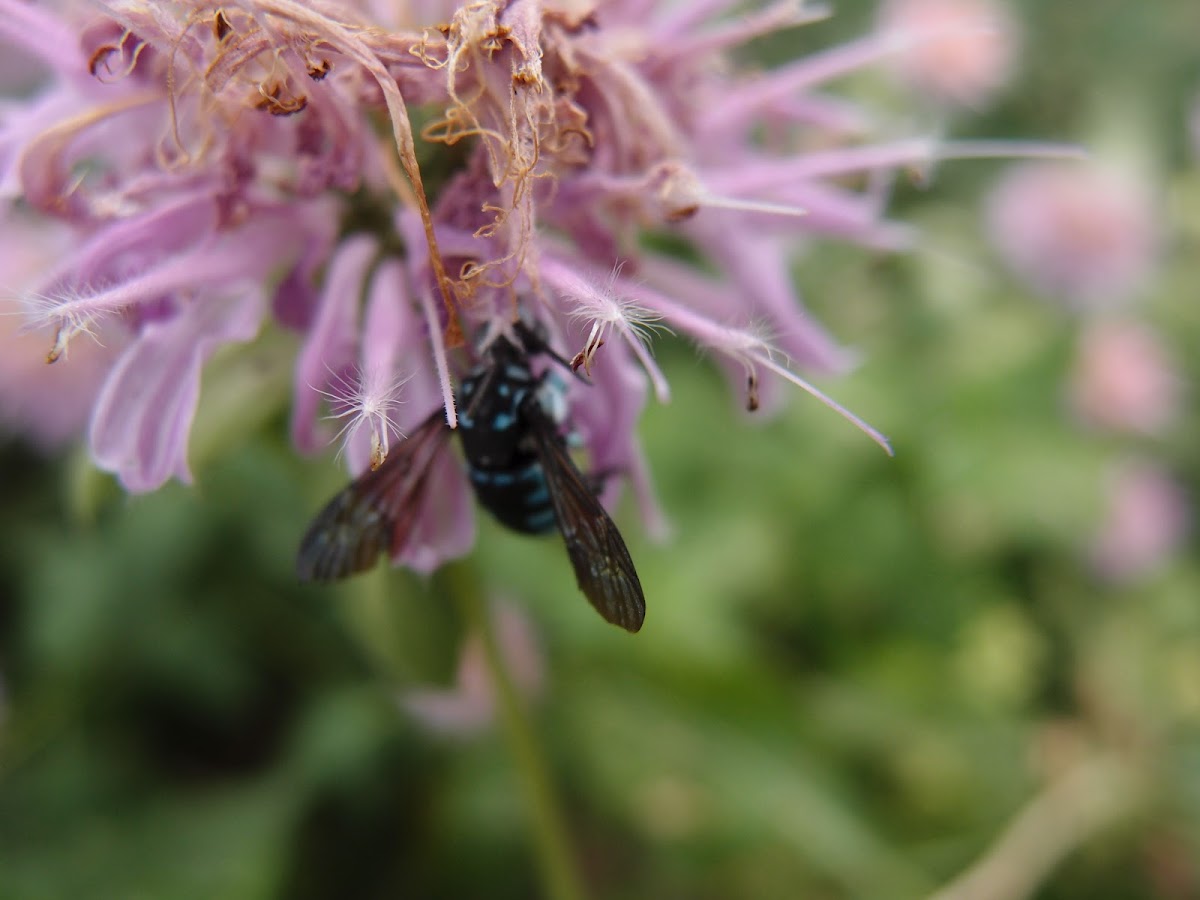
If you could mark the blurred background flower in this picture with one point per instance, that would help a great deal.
(468, 706)
(957, 52)
(1123, 380)
(1145, 523)
(1084, 235)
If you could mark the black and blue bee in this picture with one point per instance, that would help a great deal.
(517, 461)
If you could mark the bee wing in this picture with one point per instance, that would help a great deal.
(603, 567)
(376, 512)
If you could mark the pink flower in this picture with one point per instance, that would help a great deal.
(1147, 518)
(225, 168)
(469, 705)
(1082, 234)
(957, 52)
(1123, 379)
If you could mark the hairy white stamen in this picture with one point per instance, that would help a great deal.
(608, 312)
(439, 358)
(752, 350)
(65, 315)
(366, 400)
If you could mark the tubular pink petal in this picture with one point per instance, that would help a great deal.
(439, 358)
(861, 424)
(676, 21)
(446, 528)
(333, 339)
(388, 318)
(179, 224)
(918, 153)
(761, 274)
(741, 103)
(45, 166)
(39, 32)
(213, 264)
(662, 390)
(750, 350)
(144, 413)
(727, 35)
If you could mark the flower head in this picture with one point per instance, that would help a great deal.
(1147, 518)
(956, 52)
(1124, 380)
(1084, 235)
(227, 167)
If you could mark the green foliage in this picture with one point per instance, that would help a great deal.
(855, 670)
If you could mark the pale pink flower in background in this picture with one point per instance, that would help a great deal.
(1123, 379)
(469, 705)
(958, 52)
(1147, 517)
(1083, 234)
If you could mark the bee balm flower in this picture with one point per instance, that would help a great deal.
(1147, 520)
(1124, 380)
(225, 168)
(958, 52)
(1081, 234)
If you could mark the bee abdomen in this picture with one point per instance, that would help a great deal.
(517, 496)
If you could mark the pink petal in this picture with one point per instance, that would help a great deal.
(394, 341)
(140, 425)
(132, 244)
(759, 268)
(329, 348)
(446, 527)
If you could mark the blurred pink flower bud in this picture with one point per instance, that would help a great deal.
(1147, 518)
(468, 706)
(959, 52)
(1123, 379)
(1080, 233)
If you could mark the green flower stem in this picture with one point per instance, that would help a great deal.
(560, 877)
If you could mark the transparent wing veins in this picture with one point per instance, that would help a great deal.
(374, 513)
(603, 567)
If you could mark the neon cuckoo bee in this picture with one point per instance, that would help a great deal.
(511, 429)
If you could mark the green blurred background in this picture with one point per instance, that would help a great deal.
(857, 672)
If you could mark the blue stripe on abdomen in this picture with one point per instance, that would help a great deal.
(519, 497)
(494, 478)
(542, 520)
